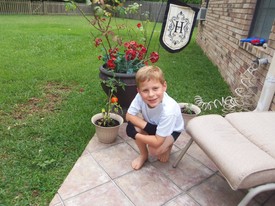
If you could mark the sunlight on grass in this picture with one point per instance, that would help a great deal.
(38, 147)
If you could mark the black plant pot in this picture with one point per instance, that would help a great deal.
(125, 96)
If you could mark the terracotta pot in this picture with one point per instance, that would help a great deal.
(188, 117)
(126, 96)
(106, 135)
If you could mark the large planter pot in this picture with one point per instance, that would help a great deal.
(106, 135)
(186, 116)
(126, 96)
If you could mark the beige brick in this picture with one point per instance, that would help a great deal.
(271, 44)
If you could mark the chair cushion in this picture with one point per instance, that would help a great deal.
(258, 127)
(243, 163)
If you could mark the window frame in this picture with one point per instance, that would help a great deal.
(254, 21)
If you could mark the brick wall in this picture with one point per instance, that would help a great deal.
(228, 21)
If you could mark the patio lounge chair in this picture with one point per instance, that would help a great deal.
(242, 146)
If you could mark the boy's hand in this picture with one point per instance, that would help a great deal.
(131, 130)
(150, 128)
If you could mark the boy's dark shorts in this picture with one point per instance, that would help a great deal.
(175, 135)
(153, 130)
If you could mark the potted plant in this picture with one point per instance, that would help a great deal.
(189, 111)
(120, 56)
(107, 122)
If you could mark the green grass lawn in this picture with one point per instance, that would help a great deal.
(49, 89)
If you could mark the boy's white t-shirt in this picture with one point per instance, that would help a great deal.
(167, 115)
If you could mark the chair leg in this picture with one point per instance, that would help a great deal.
(182, 153)
(254, 191)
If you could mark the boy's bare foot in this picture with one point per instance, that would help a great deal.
(164, 157)
(139, 161)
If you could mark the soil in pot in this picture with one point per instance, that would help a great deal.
(186, 110)
(112, 123)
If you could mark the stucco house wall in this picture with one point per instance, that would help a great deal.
(226, 23)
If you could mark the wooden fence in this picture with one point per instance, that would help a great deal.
(38, 7)
(155, 9)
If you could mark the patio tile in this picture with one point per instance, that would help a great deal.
(122, 132)
(182, 200)
(271, 200)
(86, 174)
(147, 186)
(266, 198)
(188, 173)
(216, 191)
(56, 201)
(116, 160)
(132, 143)
(106, 194)
(95, 145)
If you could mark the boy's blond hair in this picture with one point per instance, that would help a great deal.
(147, 73)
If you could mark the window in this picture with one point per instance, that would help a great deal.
(263, 19)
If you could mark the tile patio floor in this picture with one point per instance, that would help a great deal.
(103, 176)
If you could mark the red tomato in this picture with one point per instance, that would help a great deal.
(114, 99)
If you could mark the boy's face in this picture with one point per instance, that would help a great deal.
(152, 92)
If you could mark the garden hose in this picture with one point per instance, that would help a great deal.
(243, 94)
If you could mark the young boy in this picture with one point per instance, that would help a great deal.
(162, 121)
